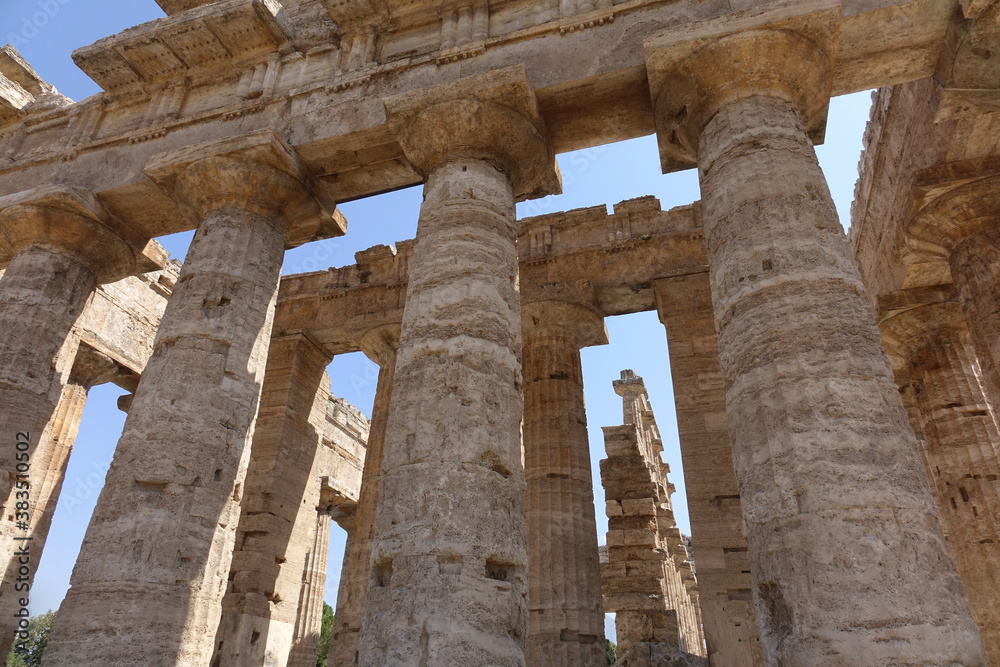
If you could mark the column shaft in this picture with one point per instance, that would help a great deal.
(277, 522)
(357, 558)
(448, 585)
(960, 440)
(309, 623)
(975, 268)
(566, 617)
(720, 548)
(165, 522)
(835, 498)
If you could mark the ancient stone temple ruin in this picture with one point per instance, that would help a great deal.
(836, 396)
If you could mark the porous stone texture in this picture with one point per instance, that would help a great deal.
(566, 617)
(823, 529)
(648, 580)
(277, 521)
(684, 304)
(164, 526)
(959, 446)
(646, 654)
(380, 345)
(448, 583)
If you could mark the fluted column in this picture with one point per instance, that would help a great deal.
(684, 305)
(56, 245)
(960, 450)
(277, 523)
(957, 227)
(309, 622)
(148, 584)
(835, 499)
(448, 584)
(565, 612)
(380, 345)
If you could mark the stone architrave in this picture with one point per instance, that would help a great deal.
(566, 617)
(684, 305)
(836, 502)
(165, 523)
(278, 513)
(960, 442)
(56, 245)
(380, 345)
(449, 577)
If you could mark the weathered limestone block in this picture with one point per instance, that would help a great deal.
(647, 581)
(566, 617)
(277, 521)
(165, 523)
(684, 305)
(659, 654)
(380, 345)
(835, 498)
(960, 442)
(448, 585)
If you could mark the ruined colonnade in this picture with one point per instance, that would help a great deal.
(471, 537)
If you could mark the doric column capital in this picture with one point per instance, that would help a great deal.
(581, 323)
(784, 50)
(491, 117)
(950, 218)
(910, 320)
(72, 222)
(381, 344)
(92, 367)
(259, 173)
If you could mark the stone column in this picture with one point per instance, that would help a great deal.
(56, 245)
(835, 499)
(148, 584)
(960, 449)
(959, 227)
(565, 612)
(449, 578)
(684, 305)
(309, 622)
(380, 346)
(277, 520)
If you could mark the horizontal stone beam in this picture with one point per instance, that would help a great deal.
(618, 256)
(330, 101)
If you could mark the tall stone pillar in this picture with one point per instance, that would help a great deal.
(565, 611)
(380, 345)
(56, 245)
(309, 622)
(846, 552)
(148, 584)
(684, 305)
(449, 578)
(960, 449)
(277, 520)
(959, 227)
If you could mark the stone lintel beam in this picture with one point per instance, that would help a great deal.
(203, 177)
(783, 50)
(936, 229)
(73, 222)
(968, 77)
(207, 36)
(351, 12)
(492, 117)
(13, 101)
(905, 330)
(620, 255)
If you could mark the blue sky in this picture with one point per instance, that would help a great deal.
(47, 31)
